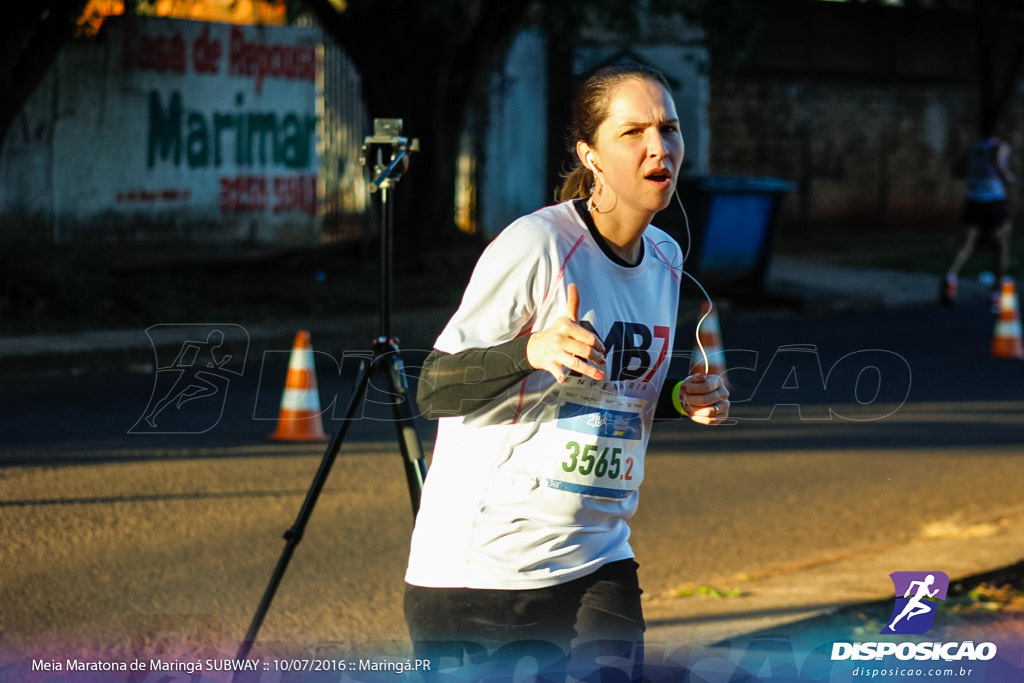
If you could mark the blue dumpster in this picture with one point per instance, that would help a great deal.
(732, 224)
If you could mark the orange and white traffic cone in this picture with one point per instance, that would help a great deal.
(299, 417)
(1006, 341)
(710, 338)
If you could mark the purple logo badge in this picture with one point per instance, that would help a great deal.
(917, 599)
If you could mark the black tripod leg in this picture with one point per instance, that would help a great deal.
(295, 533)
(385, 353)
(405, 427)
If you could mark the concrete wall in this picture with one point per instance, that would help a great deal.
(867, 154)
(137, 135)
(172, 129)
(867, 108)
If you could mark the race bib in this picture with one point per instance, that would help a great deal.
(602, 439)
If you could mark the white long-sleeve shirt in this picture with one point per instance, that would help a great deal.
(536, 488)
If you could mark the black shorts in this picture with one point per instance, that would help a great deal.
(596, 616)
(988, 216)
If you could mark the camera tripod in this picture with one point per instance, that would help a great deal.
(385, 359)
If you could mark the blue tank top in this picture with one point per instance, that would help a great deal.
(984, 183)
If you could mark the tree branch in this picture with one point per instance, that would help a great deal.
(32, 39)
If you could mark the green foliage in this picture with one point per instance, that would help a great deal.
(987, 597)
(730, 26)
(713, 592)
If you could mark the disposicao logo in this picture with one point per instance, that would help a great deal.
(914, 612)
(917, 599)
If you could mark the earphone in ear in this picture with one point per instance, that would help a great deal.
(590, 162)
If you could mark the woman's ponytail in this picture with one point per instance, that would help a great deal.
(578, 184)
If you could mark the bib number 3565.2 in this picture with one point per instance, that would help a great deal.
(586, 461)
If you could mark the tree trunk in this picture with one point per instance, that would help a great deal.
(561, 86)
(998, 43)
(424, 62)
(32, 35)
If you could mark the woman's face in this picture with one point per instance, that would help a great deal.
(639, 147)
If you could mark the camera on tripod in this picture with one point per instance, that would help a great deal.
(385, 153)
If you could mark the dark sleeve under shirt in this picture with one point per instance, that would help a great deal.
(459, 383)
(453, 384)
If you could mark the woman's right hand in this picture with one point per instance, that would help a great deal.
(567, 344)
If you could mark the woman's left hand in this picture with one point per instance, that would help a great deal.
(705, 398)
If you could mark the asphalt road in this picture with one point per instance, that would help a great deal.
(851, 431)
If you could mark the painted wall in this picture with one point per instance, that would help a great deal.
(172, 129)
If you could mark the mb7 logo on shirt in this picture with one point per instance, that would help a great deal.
(631, 352)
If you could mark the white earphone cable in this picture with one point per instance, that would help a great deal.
(707, 297)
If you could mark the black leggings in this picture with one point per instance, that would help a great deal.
(568, 626)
